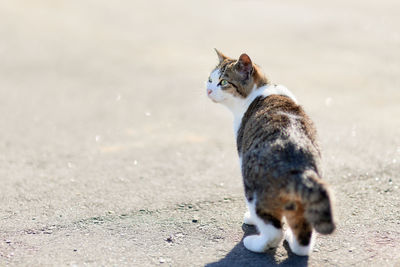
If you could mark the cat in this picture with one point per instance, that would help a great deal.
(279, 157)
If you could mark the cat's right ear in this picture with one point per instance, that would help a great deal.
(221, 56)
(244, 66)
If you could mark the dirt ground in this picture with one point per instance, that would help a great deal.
(112, 155)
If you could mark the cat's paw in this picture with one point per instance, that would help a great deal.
(260, 243)
(255, 243)
(247, 219)
(296, 247)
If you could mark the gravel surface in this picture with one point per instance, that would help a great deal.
(112, 155)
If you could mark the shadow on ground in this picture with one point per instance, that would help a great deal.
(240, 256)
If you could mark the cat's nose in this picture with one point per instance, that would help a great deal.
(209, 91)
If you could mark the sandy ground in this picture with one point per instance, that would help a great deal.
(111, 154)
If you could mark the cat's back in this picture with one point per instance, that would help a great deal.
(277, 133)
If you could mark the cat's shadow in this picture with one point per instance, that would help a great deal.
(239, 256)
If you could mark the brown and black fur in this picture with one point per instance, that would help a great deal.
(242, 74)
(280, 165)
(280, 156)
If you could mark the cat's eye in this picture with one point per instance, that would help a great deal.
(209, 80)
(224, 82)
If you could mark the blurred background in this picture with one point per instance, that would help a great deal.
(104, 113)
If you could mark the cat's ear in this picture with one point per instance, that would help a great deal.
(244, 66)
(221, 56)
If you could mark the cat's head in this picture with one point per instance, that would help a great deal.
(234, 79)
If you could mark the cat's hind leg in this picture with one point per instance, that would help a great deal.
(297, 246)
(269, 227)
(248, 217)
(300, 235)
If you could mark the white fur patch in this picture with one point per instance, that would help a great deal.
(217, 94)
(248, 217)
(296, 247)
(278, 90)
(269, 236)
(214, 77)
(238, 106)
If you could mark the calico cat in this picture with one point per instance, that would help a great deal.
(279, 157)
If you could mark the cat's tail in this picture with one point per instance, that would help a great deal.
(315, 197)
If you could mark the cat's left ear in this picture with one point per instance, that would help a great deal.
(244, 66)
(221, 56)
